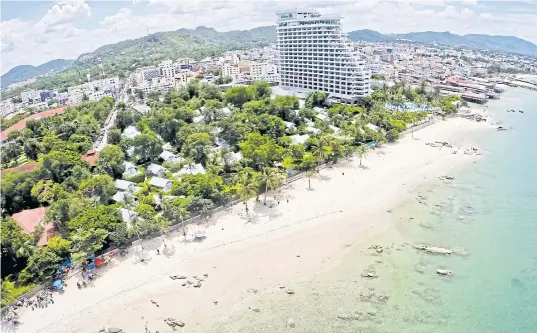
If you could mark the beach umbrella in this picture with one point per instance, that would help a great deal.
(58, 284)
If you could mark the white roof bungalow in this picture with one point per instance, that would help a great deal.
(290, 125)
(313, 130)
(321, 116)
(156, 170)
(372, 127)
(161, 183)
(131, 132)
(125, 186)
(296, 139)
(232, 158)
(119, 196)
(190, 170)
(128, 216)
(170, 157)
(130, 170)
(225, 110)
(198, 119)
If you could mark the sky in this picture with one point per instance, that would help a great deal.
(34, 32)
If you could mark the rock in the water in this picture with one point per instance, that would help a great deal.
(177, 277)
(205, 275)
(189, 282)
(291, 323)
(433, 249)
(444, 272)
(290, 292)
(252, 291)
(183, 284)
(197, 285)
(370, 274)
(255, 310)
(174, 323)
(114, 330)
(348, 316)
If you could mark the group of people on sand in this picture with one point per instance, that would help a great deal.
(41, 300)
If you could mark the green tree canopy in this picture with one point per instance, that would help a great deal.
(111, 161)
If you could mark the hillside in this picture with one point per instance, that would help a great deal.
(494, 43)
(24, 72)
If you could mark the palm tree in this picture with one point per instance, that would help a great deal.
(310, 174)
(272, 178)
(321, 149)
(362, 151)
(246, 186)
(162, 224)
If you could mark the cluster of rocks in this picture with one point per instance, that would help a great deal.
(174, 323)
(446, 177)
(433, 249)
(369, 274)
(421, 199)
(438, 144)
(376, 248)
(196, 282)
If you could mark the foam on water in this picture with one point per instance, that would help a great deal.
(489, 210)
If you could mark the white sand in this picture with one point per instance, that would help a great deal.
(315, 225)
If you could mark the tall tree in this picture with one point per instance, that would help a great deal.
(147, 146)
(87, 241)
(271, 178)
(111, 161)
(100, 188)
(246, 186)
(362, 151)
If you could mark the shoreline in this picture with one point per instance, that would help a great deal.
(291, 241)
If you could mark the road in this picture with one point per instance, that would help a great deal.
(102, 139)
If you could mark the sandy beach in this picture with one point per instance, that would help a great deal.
(304, 234)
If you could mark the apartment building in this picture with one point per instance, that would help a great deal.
(315, 55)
(31, 96)
(264, 71)
(230, 70)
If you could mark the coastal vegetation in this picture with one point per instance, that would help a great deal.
(210, 148)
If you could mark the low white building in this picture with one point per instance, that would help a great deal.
(130, 132)
(156, 170)
(190, 170)
(125, 186)
(299, 139)
(161, 183)
(130, 170)
(168, 156)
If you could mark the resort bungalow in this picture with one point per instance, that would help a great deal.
(313, 130)
(125, 186)
(372, 127)
(155, 170)
(128, 216)
(30, 219)
(198, 119)
(161, 183)
(130, 132)
(322, 116)
(290, 125)
(190, 170)
(130, 170)
(170, 157)
(299, 139)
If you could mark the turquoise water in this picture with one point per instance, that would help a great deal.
(489, 210)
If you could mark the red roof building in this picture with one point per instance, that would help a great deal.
(22, 124)
(30, 219)
(91, 157)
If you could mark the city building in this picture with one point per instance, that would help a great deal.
(231, 70)
(315, 55)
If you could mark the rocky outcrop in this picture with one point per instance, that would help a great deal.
(433, 249)
(444, 272)
(173, 323)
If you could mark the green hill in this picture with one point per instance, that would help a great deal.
(24, 72)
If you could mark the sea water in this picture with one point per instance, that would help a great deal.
(488, 212)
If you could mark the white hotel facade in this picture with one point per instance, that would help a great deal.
(315, 55)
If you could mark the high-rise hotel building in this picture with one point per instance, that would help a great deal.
(315, 55)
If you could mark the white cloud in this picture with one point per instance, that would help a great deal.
(64, 12)
(56, 35)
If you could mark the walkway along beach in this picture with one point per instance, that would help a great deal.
(304, 234)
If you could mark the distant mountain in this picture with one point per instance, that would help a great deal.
(494, 43)
(24, 72)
